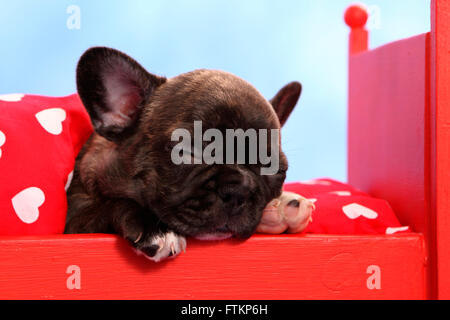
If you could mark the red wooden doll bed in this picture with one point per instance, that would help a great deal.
(399, 150)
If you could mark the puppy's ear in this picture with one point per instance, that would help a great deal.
(114, 88)
(285, 100)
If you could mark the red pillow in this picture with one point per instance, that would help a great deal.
(41, 136)
(341, 209)
(39, 140)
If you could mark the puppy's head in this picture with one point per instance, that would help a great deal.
(141, 113)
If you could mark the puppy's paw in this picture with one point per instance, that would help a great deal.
(289, 213)
(297, 212)
(161, 246)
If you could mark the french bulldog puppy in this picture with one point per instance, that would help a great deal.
(125, 181)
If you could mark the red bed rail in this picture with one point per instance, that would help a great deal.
(264, 267)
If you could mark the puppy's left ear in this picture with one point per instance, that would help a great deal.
(285, 100)
(114, 88)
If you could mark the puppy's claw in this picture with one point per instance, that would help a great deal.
(138, 238)
(275, 203)
(160, 244)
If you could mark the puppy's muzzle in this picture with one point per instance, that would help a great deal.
(234, 190)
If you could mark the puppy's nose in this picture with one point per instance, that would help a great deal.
(234, 193)
(234, 187)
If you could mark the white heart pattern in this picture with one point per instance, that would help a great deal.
(316, 182)
(395, 230)
(26, 204)
(51, 120)
(342, 193)
(2, 141)
(69, 180)
(12, 97)
(354, 211)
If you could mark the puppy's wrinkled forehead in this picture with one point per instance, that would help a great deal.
(213, 96)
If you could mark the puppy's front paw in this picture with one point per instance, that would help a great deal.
(289, 213)
(161, 246)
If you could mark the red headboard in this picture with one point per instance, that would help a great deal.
(399, 130)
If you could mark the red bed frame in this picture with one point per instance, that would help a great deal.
(399, 149)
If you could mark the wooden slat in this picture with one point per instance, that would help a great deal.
(263, 267)
(440, 126)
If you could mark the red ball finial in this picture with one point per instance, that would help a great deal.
(356, 16)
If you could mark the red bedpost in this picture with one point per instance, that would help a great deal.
(399, 131)
(389, 131)
(356, 18)
(440, 138)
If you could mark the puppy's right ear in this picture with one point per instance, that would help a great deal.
(114, 88)
(285, 100)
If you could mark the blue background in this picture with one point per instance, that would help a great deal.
(268, 43)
